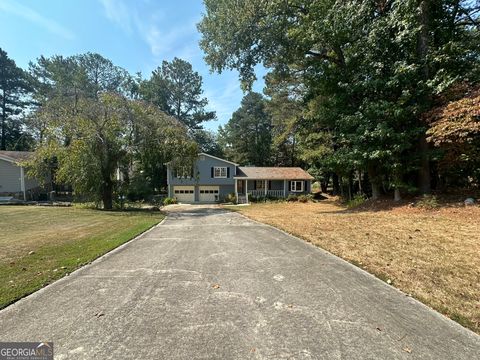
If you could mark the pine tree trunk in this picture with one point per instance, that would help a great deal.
(372, 174)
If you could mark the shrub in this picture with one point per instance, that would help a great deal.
(292, 198)
(305, 198)
(357, 200)
(230, 198)
(427, 202)
(169, 201)
(255, 199)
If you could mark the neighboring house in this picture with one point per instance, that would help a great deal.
(212, 179)
(13, 178)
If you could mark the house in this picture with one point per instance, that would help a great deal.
(211, 179)
(14, 181)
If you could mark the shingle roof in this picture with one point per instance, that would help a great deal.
(15, 156)
(272, 173)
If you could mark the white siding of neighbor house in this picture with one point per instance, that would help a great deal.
(10, 178)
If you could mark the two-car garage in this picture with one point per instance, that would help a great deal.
(186, 194)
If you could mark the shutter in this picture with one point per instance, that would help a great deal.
(269, 185)
(228, 171)
(211, 172)
(305, 189)
(289, 186)
(254, 184)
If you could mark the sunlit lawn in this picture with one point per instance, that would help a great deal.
(41, 244)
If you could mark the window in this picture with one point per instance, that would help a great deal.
(296, 186)
(184, 172)
(219, 172)
(259, 185)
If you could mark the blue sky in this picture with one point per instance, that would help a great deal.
(134, 34)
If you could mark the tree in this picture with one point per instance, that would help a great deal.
(176, 89)
(208, 142)
(247, 138)
(370, 69)
(91, 128)
(455, 130)
(14, 92)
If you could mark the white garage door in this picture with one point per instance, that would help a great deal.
(185, 194)
(208, 193)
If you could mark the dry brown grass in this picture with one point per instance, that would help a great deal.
(433, 255)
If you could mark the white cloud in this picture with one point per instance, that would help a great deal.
(34, 17)
(118, 13)
(163, 43)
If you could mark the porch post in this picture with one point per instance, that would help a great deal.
(236, 191)
(266, 184)
(22, 183)
(246, 189)
(284, 188)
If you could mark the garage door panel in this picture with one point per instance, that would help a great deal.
(184, 193)
(208, 193)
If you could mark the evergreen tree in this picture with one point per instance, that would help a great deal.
(14, 100)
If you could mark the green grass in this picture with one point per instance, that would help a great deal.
(42, 244)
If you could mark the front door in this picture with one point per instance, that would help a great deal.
(240, 186)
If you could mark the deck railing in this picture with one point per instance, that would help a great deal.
(260, 193)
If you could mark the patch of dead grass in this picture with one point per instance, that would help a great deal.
(433, 255)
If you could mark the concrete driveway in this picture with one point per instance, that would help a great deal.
(210, 284)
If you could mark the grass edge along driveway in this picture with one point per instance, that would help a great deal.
(43, 244)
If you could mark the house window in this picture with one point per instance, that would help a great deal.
(220, 172)
(296, 186)
(185, 172)
(259, 184)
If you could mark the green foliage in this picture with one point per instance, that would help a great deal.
(91, 130)
(169, 201)
(177, 90)
(246, 138)
(304, 198)
(357, 200)
(292, 198)
(362, 73)
(428, 202)
(14, 100)
(230, 198)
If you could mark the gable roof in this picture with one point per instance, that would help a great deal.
(210, 156)
(272, 173)
(15, 156)
(217, 158)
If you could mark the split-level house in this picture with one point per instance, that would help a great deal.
(211, 179)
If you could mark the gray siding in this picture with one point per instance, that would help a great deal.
(10, 174)
(224, 190)
(9, 177)
(202, 174)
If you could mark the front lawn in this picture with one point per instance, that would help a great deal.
(434, 255)
(41, 244)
